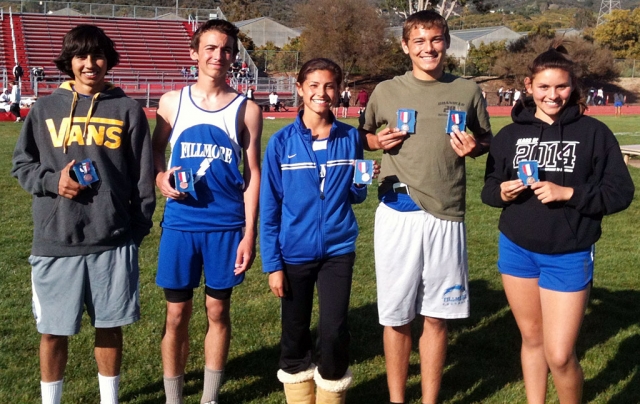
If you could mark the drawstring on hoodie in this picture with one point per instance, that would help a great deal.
(561, 151)
(74, 103)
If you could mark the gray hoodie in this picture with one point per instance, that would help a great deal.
(112, 131)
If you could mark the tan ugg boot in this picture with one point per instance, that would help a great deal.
(299, 388)
(332, 391)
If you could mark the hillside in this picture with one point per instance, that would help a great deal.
(522, 5)
(284, 10)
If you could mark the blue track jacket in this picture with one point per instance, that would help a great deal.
(298, 223)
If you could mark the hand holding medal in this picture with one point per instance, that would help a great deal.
(164, 182)
(85, 172)
(363, 173)
(184, 180)
(528, 172)
(407, 120)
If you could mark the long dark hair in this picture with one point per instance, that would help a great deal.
(313, 65)
(558, 58)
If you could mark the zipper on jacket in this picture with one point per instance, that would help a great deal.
(309, 146)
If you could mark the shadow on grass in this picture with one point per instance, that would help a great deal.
(483, 355)
(612, 313)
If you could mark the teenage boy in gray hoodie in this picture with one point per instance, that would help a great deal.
(84, 153)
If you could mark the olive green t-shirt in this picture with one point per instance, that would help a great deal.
(425, 161)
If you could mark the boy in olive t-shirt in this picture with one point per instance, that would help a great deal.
(419, 227)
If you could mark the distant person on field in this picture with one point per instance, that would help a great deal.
(362, 100)
(549, 225)
(14, 100)
(273, 101)
(516, 96)
(507, 96)
(591, 96)
(85, 237)
(18, 72)
(618, 101)
(345, 101)
(212, 131)
(5, 100)
(600, 97)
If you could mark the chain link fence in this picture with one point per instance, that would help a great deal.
(108, 10)
(628, 67)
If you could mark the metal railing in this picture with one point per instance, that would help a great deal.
(110, 10)
(137, 86)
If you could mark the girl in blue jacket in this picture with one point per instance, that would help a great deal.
(549, 225)
(308, 235)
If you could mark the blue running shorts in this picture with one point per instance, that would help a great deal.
(183, 255)
(567, 272)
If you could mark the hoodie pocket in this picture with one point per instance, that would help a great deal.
(90, 219)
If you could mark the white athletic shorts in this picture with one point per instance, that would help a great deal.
(106, 283)
(421, 266)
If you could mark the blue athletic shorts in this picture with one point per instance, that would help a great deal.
(569, 272)
(183, 255)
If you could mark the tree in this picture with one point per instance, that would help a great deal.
(265, 57)
(584, 18)
(444, 7)
(593, 62)
(394, 61)
(451, 63)
(482, 58)
(348, 31)
(621, 33)
(246, 41)
(543, 30)
(239, 10)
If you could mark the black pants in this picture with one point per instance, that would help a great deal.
(333, 278)
(15, 109)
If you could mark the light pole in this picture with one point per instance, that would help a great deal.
(177, 8)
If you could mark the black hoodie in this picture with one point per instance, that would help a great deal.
(575, 151)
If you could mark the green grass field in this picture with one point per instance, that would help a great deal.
(483, 360)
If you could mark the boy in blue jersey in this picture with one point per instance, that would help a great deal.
(86, 236)
(212, 130)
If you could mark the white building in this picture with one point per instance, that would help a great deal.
(264, 29)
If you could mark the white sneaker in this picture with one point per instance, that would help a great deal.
(18, 119)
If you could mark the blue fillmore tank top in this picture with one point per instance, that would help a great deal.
(207, 143)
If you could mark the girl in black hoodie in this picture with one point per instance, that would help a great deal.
(548, 228)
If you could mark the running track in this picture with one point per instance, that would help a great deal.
(493, 111)
(353, 112)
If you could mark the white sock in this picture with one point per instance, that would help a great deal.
(173, 389)
(212, 384)
(51, 392)
(109, 389)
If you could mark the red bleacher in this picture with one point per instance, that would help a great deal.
(152, 52)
